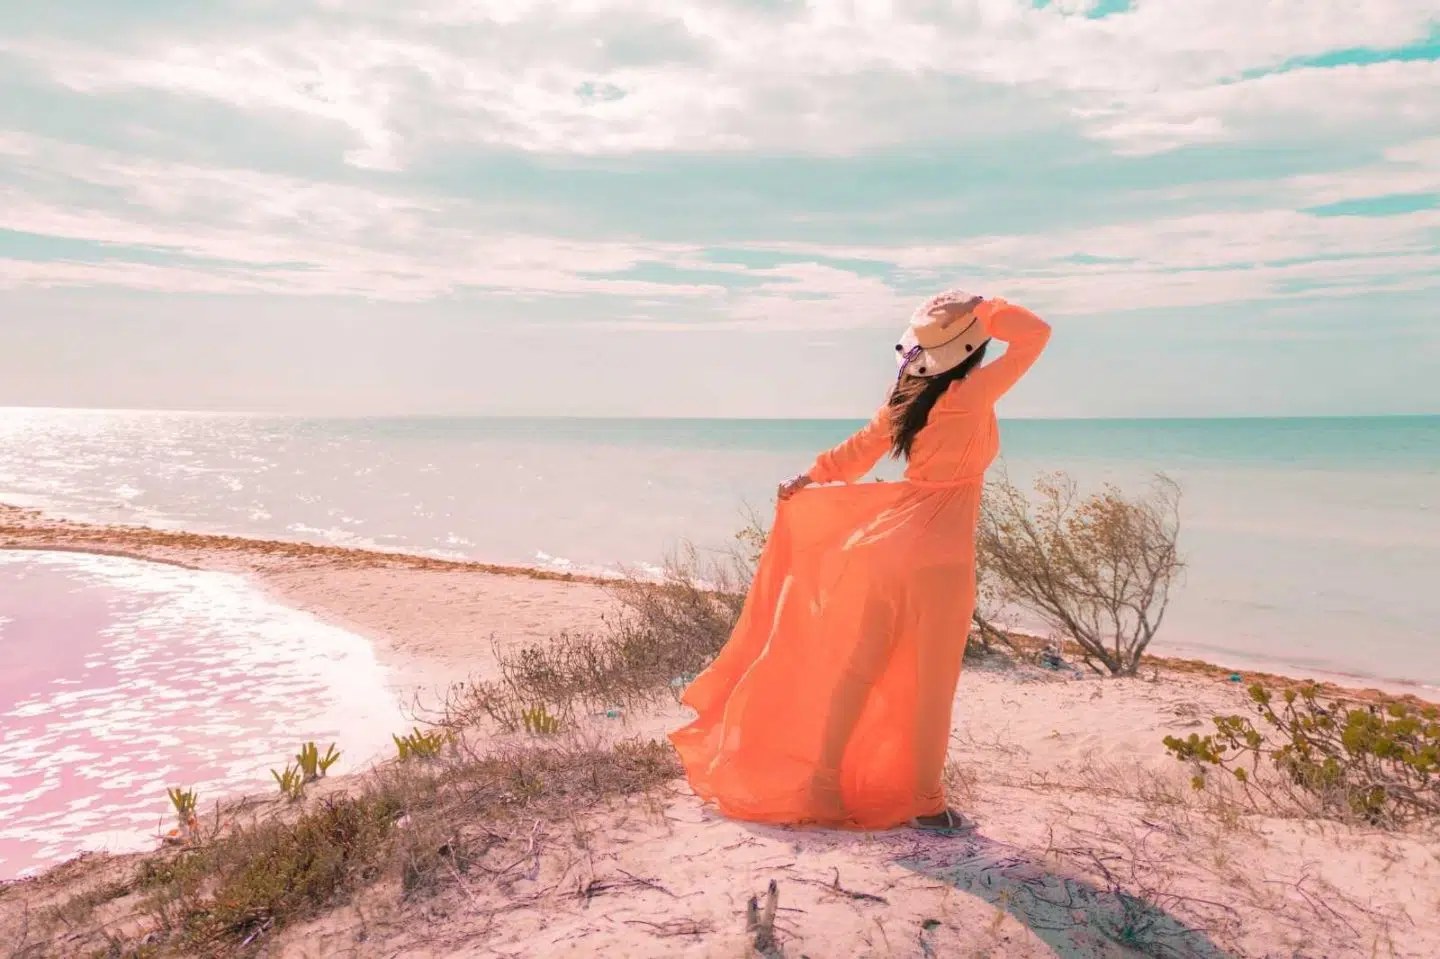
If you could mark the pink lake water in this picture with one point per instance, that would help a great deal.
(120, 678)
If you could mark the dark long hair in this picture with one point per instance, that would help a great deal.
(914, 397)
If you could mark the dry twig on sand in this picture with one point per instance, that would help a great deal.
(760, 923)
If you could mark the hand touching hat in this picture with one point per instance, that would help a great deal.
(943, 332)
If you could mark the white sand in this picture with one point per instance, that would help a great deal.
(1058, 773)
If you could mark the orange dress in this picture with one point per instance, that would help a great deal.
(831, 702)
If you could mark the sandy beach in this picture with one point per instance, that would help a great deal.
(401, 406)
(1078, 805)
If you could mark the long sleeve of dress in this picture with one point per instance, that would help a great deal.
(1024, 335)
(856, 456)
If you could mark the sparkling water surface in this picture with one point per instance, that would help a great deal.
(1312, 544)
(120, 678)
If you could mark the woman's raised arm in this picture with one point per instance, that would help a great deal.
(1024, 335)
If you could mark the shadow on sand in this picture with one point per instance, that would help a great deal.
(1074, 917)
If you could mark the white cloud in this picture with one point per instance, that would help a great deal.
(238, 231)
(1412, 167)
(1408, 168)
(1388, 100)
(626, 76)
(258, 231)
(693, 75)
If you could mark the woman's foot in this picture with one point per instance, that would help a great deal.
(947, 820)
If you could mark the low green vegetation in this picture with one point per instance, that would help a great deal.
(309, 766)
(658, 632)
(229, 891)
(420, 745)
(540, 721)
(1375, 762)
(312, 765)
(185, 804)
(233, 888)
(460, 808)
(291, 782)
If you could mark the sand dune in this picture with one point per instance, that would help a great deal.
(1089, 841)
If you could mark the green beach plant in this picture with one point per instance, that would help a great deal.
(541, 721)
(185, 803)
(234, 892)
(418, 745)
(1378, 762)
(291, 782)
(314, 766)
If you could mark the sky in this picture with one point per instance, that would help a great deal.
(715, 207)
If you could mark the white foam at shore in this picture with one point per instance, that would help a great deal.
(126, 677)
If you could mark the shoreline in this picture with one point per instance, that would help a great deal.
(369, 593)
(262, 561)
(1068, 780)
(24, 527)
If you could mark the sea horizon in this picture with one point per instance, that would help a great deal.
(1302, 534)
(618, 417)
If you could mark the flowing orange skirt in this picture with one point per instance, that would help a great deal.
(831, 702)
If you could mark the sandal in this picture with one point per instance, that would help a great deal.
(947, 820)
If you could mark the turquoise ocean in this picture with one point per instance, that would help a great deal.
(1313, 544)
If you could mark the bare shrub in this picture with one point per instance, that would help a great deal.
(1379, 763)
(661, 633)
(1097, 569)
(993, 600)
(677, 626)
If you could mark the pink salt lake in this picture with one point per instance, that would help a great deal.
(119, 678)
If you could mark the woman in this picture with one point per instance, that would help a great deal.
(831, 702)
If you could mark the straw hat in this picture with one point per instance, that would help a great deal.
(935, 344)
